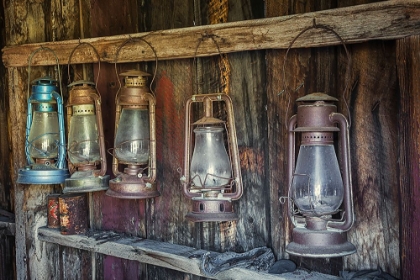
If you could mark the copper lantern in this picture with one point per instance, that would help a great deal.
(212, 176)
(135, 140)
(320, 194)
(86, 144)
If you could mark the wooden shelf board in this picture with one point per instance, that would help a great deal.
(178, 257)
(355, 24)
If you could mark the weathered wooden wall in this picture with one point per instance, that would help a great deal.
(7, 247)
(382, 102)
(407, 57)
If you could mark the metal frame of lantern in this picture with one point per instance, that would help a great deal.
(84, 119)
(137, 181)
(211, 203)
(44, 167)
(317, 233)
(84, 102)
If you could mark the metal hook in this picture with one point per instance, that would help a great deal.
(42, 48)
(99, 62)
(328, 29)
(129, 40)
(203, 37)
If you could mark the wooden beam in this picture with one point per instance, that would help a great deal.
(164, 254)
(381, 20)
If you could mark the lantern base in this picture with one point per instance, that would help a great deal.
(28, 175)
(121, 187)
(211, 210)
(319, 244)
(85, 181)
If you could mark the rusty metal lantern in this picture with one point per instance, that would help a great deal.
(212, 175)
(320, 196)
(135, 140)
(86, 144)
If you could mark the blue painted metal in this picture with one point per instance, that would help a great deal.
(44, 95)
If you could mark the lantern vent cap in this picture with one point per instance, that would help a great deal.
(316, 96)
(82, 83)
(135, 73)
(208, 121)
(46, 80)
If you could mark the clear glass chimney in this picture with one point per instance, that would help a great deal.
(44, 135)
(133, 136)
(83, 142)
(317, 186)
(210, 164)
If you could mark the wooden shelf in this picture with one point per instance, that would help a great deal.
(377, 21)
(168, 255)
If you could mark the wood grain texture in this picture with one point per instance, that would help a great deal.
(374, 146)
(408, 67)
(172, 256)
(7, 223)
(383, 20)
(385, 173)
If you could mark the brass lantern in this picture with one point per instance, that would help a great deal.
(86, 144)
(320, 195)
(135, 140)
(212, 175)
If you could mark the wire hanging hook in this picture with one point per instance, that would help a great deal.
(97, 55)
(203, 37)
(42, 48)
(347, 77)
(129, 40)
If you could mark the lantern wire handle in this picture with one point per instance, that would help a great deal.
(203, 37)
(42, 48)
(99, 62)
(329, 29)
(129, 40)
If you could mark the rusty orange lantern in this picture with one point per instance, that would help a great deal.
(135, 140)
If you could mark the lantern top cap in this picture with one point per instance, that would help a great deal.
(208, 121)
(45, 81)
(81, 83)
(135, 73)
(316, 96)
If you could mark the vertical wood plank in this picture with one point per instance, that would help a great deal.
(374, 145)
(408, 68)
(7, 247)
(120, 215)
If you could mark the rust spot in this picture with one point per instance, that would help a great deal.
(251, 160)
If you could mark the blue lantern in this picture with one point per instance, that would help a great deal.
(45, 138)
